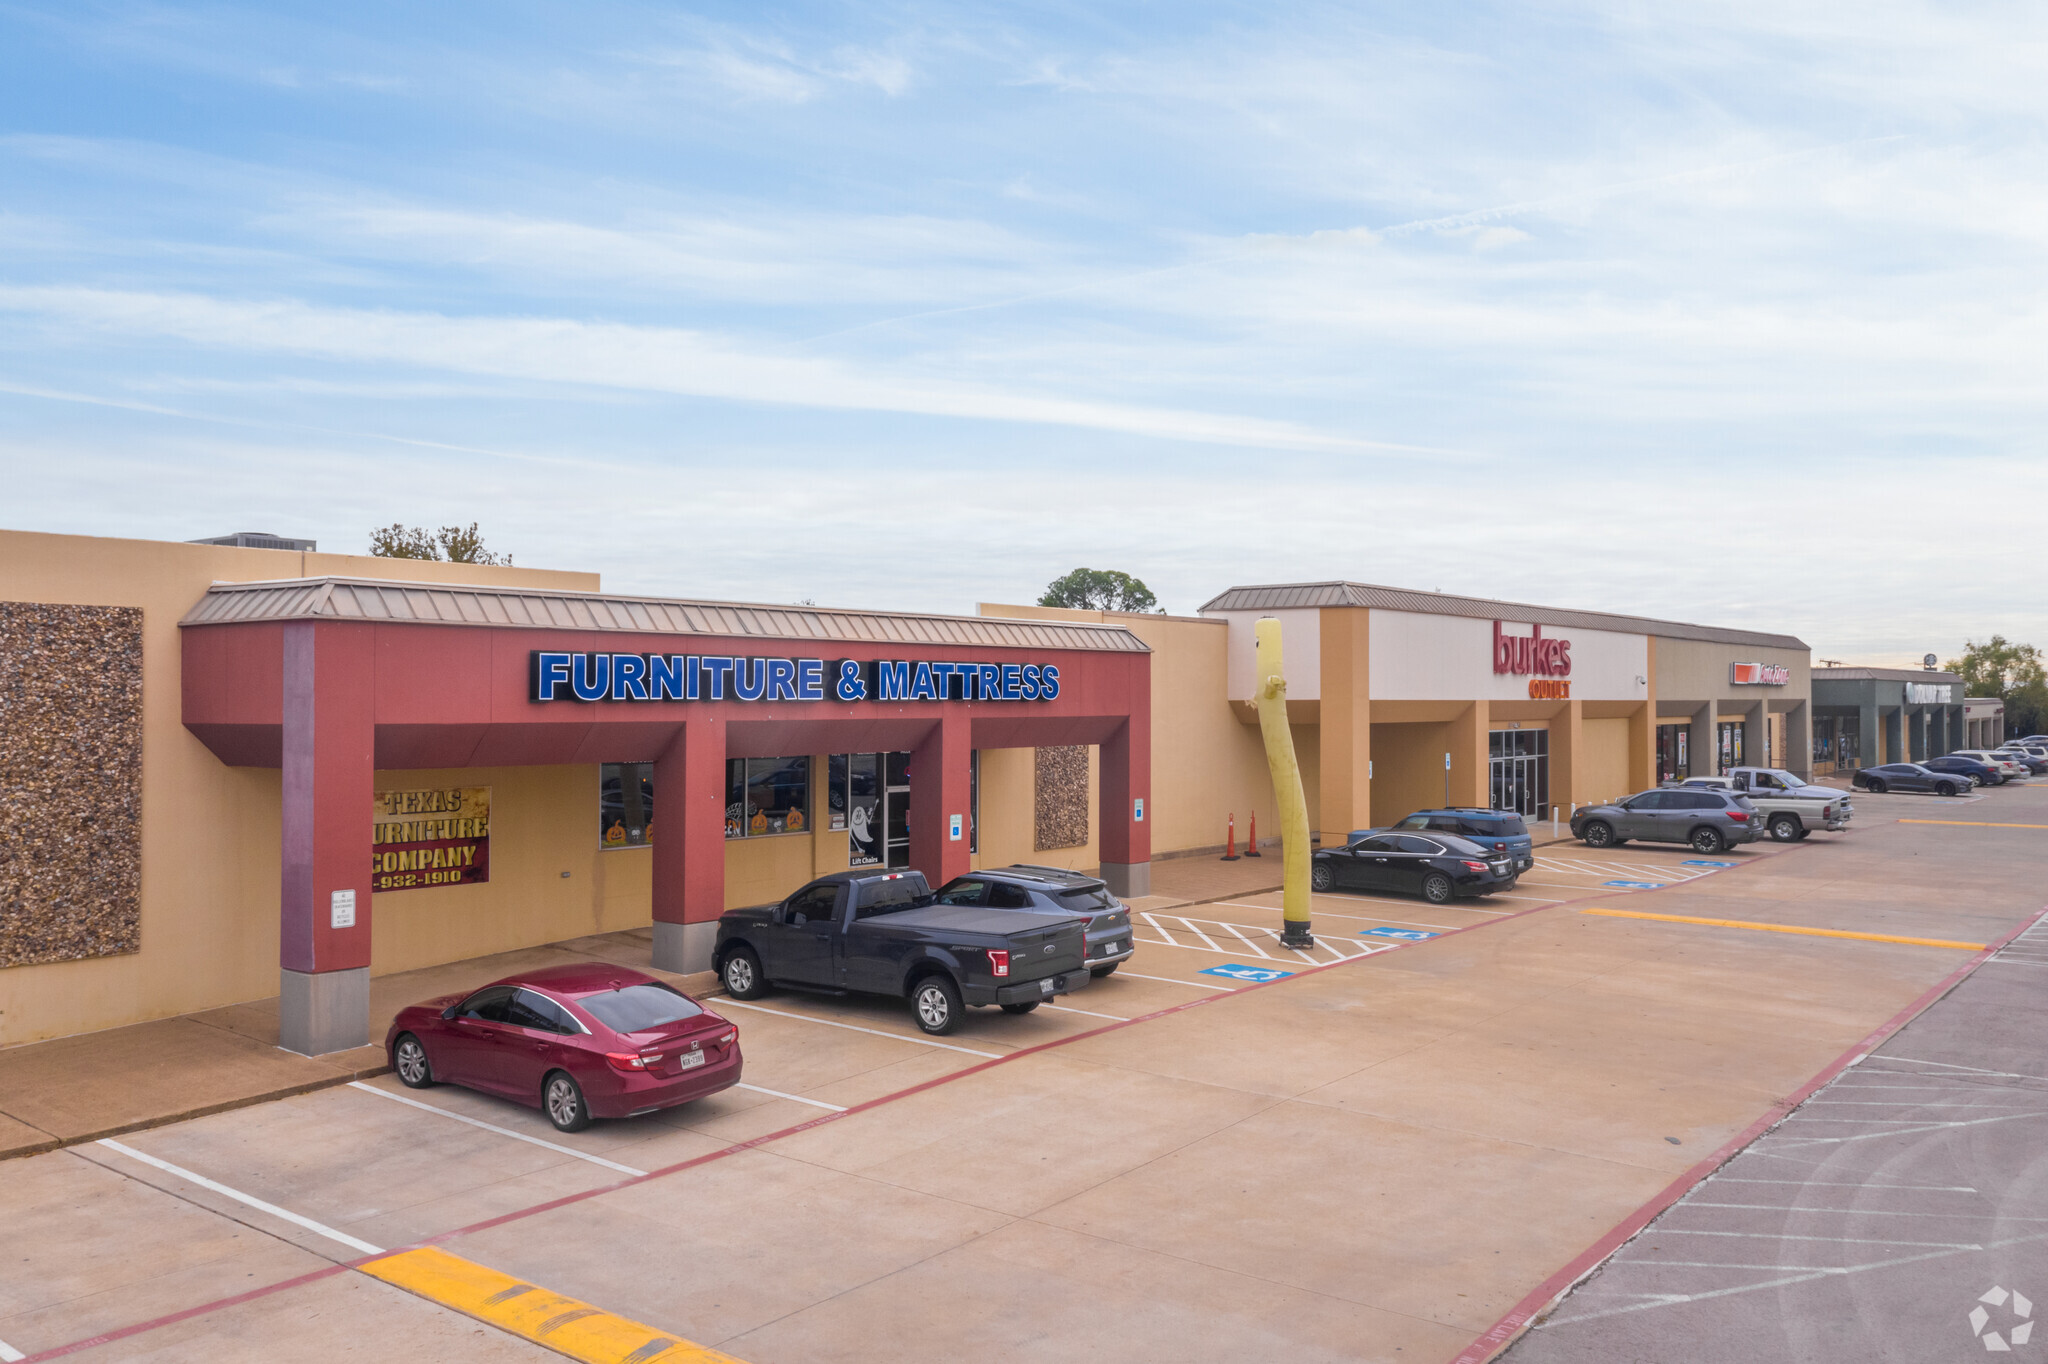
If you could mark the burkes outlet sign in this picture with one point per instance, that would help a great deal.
(1547, 663)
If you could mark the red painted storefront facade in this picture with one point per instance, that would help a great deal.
(333, 701)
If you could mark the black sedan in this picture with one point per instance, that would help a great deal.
(1438, 867)
(1910, 777)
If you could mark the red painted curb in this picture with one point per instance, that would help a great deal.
(1503, 1332)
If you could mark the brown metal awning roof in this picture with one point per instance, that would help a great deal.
(1286, 596)
(364, 599)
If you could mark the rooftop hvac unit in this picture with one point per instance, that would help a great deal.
(257, 539)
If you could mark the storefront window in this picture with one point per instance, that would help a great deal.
(1672, 742)
(625, 805)
(767, 796)
(1730, 736)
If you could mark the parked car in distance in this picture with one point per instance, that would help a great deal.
(2027, 758)
(1438, 867)
(1980, 774)
(1711, 821)
(2007, 769)
(1052, 890)
(1497, 831)
(871, 931)
(1791, 809)
(589, 1040)
(1914, 777)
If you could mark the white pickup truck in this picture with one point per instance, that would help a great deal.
(1789, 808)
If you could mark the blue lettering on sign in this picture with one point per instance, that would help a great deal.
(1404, 934)
(560, 675)
(1703, 862)
(1636, 885)
(1239, 971)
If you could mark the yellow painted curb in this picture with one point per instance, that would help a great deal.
(565, 1325)
(1976, 823)
(1786, 928)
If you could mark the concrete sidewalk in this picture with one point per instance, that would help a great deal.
(92, 1085)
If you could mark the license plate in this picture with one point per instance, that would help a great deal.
(689, 1060)
(1045, 986)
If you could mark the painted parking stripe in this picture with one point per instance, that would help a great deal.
(1069, 1009)
(493, 1127)
(1975, 823)
(793, 1098)
(1634, 885)
(854, 1027)
(531, 1312)
(9, 1354)
(1786, 928)
(1357, 918)
(1169, 980)
(318, 1228)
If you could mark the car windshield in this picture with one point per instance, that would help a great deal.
(1086, 898)
(1786, 777)
(638, 1008)
(1509, 826)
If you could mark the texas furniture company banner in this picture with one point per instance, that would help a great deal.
(431, 838)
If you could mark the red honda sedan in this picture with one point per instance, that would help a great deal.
(578, 1042)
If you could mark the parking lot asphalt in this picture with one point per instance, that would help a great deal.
(1374, 1156)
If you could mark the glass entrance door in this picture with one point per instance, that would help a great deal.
(896, 809)
(1519, 770)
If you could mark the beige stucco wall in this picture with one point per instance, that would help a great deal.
(1603, 750)
(1207, 763)
(209, 832)
(1694, 670)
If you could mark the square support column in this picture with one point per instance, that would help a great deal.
(689, 846)
(1125, 779)
(1642, 747)
(329, 786)
(1567, 770)
(1756, 730)
(1893, 718)
(1703, 753)
(938, 796)
(1471, 759)
(1346, 725)
(1869, 736)
(1799, 741)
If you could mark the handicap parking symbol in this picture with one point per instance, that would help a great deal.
(1636, 885)
(1239, 971)
(1404, 934)
(1704, 862)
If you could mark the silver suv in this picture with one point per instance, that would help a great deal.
(1711, 821)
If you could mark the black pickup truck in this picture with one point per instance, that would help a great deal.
(877, 932)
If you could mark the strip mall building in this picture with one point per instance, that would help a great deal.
(232, 773)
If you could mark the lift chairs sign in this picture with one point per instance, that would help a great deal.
(694, 677)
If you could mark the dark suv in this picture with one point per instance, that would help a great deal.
(1711, 821)
(1499, 832)
(1052, 890)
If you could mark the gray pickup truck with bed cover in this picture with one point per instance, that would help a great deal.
(879, 932)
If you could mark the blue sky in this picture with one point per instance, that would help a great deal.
(1717, 312)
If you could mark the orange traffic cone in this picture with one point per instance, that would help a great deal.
(1230, 851)
(1251, 844)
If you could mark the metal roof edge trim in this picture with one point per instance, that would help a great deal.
(1356, 595)
(314, 598)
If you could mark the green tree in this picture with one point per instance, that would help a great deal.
(456, 544)
(2013, 672)
(1099, 589)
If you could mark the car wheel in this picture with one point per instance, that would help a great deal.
(935, 1004)
(1320, 876)
(1707, 840)
(1026, 1007)
(562, 1097)
(742, 974)
(1100, 971)
(1947, 788)
(409, 1059)
(1874, 786)
(1437, 889)
(1806, 833)
(1785, 828)
(1598, 835)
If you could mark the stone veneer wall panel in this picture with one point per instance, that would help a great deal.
(70, 782)
(1062, 797)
